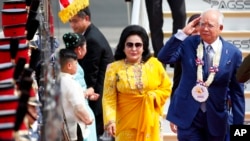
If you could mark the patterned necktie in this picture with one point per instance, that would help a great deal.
(209, 63)
(209, 55)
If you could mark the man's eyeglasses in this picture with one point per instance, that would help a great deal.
(130, 45)
(209, 26)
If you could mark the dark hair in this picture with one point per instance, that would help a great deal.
(128, 31)
(84, 12)
(192, 17)
(66, 55)
(73, 40)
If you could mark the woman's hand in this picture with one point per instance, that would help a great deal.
(110, 128)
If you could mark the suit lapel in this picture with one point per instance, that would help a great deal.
(225, 58)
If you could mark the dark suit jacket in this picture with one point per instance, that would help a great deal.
(243, 73)
(99, 55)
(183, 108)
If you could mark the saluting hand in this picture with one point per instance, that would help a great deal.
(190, 27)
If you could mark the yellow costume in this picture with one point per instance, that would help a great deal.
(134, 98)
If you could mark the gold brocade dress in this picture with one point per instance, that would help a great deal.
(134, 98)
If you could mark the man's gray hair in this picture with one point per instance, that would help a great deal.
(219, 13)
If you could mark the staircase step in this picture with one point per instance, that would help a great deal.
(173, 136)
(224, 34)
(245, 53)
(236, 14)
(169, 137)
(247, 96)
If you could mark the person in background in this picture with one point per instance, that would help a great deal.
(177, 68)
(155, 18)
(74, 109)
(243, 72)
(198, 107)
(33, 112)
(156, 21)
(136, 87)
(97, 58)
(77, 43)
(242, 76)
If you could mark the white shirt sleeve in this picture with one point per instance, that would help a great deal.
(181, 35)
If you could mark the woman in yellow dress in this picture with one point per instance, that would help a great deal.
(136, 87)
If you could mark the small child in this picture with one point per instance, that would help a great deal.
(72, 98)
(77, 43)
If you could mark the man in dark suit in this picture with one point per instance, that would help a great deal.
(155, 18)
(99, 55)
(198, 107)
(243, 73)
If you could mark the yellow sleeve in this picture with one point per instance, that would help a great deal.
(109, 95)
(163, 88)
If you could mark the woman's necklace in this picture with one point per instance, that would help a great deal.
(137, 71)
(200, 92)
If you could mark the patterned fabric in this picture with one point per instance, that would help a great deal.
(209, 54)
(79, 77)
(71, 40)
(71, 96)
(69, 8)
(135, 110)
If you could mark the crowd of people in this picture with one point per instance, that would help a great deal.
(124, 93)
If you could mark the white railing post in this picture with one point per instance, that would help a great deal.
(135, 12)
(144, 16)
(139, 14)
(129, 7)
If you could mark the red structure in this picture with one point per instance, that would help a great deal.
(14, 18)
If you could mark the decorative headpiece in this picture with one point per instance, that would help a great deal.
(69, 8)
(71, 40)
